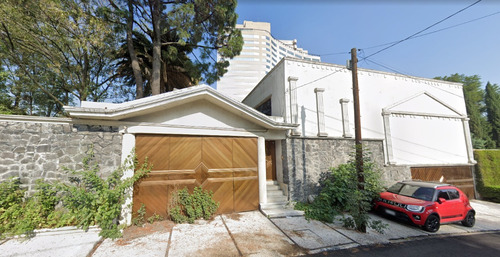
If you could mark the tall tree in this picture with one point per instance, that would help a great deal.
(492, 100)
(474, 102)
(73, 46)
(174, 30)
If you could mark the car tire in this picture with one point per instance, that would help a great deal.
(470, 219)
(432, 223)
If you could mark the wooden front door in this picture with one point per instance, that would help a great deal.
(227, 166)
(270, 160)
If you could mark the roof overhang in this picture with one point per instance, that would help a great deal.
(148, 105)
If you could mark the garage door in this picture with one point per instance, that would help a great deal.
(460, 176)
(226, 166)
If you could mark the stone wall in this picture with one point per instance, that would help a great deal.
(34, 149)
(306, 159)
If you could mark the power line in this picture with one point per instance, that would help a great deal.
(413, 35)
(435, 31)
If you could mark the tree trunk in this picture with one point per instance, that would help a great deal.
(139, 83)
(156, 15)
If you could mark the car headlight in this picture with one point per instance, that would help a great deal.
(415, 208)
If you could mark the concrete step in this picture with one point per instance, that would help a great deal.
(271, 182)
(274, 193)
(275, 205)
(281, 213)
(272, 187)
(276, 198)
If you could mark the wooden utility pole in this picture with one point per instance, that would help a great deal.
(357, 126)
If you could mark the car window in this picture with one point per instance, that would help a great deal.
(424, 193)
(443, 194)
(453, 193)
(395, 188)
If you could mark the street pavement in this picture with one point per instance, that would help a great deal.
(242, 234)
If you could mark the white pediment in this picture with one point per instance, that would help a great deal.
(195, 106)
(423, 104)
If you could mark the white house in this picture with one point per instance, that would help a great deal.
(192, 137)
(415, 127)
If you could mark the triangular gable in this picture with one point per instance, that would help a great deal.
(423, 104)
(153, 107)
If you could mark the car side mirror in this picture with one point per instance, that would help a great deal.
(441, 200)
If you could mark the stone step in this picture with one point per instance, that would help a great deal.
(271, 182)
(272, 187)
(276, 198)
(281, 213)
(274, 193)
(275, 205)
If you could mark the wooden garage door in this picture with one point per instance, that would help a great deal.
(226, 166)
(460, 176)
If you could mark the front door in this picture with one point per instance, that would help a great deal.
(270, 160)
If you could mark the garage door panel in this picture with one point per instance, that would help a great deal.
(154, 197)
(185, 152)
(217, 152)
(226, 166)
(222, 189)
(244, 152)
(156, 148)
(245, 190)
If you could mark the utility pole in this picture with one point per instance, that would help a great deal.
(357, 127)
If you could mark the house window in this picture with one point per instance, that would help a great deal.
(265, 107)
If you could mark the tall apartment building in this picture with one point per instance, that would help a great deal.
(260, 53)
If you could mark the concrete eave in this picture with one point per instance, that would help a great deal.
(116, 112)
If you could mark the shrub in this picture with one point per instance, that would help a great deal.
(488, 174)
(22, 215)
(188, 207)
(97, 201)
(340, 195)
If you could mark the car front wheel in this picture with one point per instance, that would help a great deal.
(432, 223)
(470, 219)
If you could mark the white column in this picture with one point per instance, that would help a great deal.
(468, 140)
(345, 117)
(294, 107)
(128, 144)
(388, 137)
(261, 146)
(320, 112)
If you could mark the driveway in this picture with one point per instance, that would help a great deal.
(242, 234)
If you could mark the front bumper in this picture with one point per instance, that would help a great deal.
(401, 213)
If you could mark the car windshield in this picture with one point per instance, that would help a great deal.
(422, 193)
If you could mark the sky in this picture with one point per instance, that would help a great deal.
(331, 28)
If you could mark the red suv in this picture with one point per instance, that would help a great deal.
(426, 204)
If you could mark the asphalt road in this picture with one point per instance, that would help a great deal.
(484, 245)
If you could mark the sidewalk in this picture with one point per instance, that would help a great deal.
(242, 234)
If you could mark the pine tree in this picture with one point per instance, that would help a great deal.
(492, 100)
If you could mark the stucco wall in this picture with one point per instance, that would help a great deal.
(306, 159)
(427, 117)
(33, 149)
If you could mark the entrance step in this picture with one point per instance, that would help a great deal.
(277, 205)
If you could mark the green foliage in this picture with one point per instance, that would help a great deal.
(97, 201)
(340, 195)
(492, 100)
(140, 219)
(188, 207)
(488, 174)
(22, 215)
(89, 200)
(155, 217)
(475, 104)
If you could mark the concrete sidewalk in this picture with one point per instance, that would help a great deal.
(242, 234)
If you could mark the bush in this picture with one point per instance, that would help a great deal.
(97, 201)
(22, 215)
(340, 195)
(88, 200)
(187, 207)
(488, 174)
